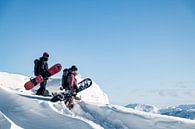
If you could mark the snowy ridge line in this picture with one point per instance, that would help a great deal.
(16, 83)
(33, 114)
(18, 91)
(4, 122)
(128, 110)
(66, 112)
(12, 124)
(117, 117)
(36, 97)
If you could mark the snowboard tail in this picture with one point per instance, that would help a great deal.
(84, 84)
(39, 79)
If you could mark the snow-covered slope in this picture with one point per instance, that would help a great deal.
(4, 123)
(15, 82)
(35, 114)
(21, 109)
(117, 117)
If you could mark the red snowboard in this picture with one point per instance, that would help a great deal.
(38, 79)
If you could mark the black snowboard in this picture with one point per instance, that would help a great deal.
(84, 84)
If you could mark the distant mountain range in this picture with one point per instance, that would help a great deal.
(183, 111)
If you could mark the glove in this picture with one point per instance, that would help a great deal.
(74, 93)
(47, 74)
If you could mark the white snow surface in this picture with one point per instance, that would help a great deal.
(20, 109)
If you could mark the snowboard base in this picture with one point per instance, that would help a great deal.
(39, 79)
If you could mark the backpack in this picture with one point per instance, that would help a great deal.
(36, 67)
(64, 78)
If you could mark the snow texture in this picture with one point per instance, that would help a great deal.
(22, 109)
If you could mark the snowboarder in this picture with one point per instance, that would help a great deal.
(69, 83)
(41, 68)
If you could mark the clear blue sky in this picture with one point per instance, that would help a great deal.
(122, 44)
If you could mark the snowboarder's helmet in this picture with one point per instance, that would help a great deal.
(45, 55)
(73, 68)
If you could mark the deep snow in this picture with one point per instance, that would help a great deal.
(22, 109)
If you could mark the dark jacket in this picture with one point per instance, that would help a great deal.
(43, 67)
